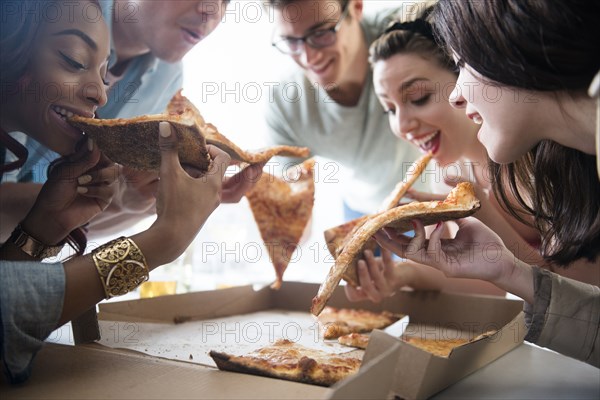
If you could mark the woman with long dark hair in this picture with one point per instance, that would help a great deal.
(525, 68)
(61, 49)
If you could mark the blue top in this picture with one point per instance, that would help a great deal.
(146, 87)
(31, 301)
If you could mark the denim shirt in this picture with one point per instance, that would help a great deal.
(31, 301)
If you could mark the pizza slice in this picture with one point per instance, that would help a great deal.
(460, 203)
(438, 347)
(290, 361)
(336, 322)
(282, 210)
(337, 237)
(133, 142)
(180, 104)
(357, 340)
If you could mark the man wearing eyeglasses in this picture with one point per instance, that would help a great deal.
(328, 104)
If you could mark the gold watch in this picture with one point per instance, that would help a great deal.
(32, 246)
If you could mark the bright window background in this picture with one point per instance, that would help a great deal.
(227, 77)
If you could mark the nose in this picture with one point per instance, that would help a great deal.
(94, 92)
(406, 122)
(308, 55)
(456, 98)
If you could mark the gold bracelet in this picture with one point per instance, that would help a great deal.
(121, 265)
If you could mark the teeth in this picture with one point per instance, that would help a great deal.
(63, 112)
(422, 140)
(477, 119)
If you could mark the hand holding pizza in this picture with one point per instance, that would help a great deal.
(476, 252)
(185, 202)
(79, 187)
(379, 277)
(236, 186)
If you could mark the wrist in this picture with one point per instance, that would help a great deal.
(518, 280)
(31, 246)
(46, 232)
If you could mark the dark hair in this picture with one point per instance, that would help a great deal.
(539, 45)
(283, 3)
(402, 37)
(20, 22)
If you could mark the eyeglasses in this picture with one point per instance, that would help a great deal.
(317, 39)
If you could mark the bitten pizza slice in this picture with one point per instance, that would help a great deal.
(460, 203)
(282, 210)
(337, 237)
(133, 142)
(290, 361)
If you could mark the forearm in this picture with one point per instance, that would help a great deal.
(423, 277)
(510, 236)
(519, 281)
(84, 288)
(16, 199)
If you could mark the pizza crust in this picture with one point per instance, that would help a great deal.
(337, 237)
(290, 361)
(180, 104)
(133, 142)
(460, 203)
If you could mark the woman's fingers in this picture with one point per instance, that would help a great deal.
(366, 282)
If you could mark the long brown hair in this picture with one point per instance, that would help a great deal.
(539, 45)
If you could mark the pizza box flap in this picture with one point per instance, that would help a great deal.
(188, 307)
(419, 374)
(373, 380)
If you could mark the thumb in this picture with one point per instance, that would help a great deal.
(167, 142)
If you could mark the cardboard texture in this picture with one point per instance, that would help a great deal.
(417, 374)
(390, 367)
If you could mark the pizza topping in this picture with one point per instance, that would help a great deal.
(358, 340)
(338, 322)
(287, 360)
(282, 210)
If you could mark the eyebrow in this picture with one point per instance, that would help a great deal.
(408, 84)
(88, 40)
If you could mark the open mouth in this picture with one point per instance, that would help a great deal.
(62, 114)
(430, 142)
(476, 118)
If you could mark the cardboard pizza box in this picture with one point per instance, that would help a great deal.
(162, 366)
(418, 374)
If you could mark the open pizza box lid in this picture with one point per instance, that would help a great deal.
(419, 374)
(132, 367)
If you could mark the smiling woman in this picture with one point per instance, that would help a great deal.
(54, 72)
